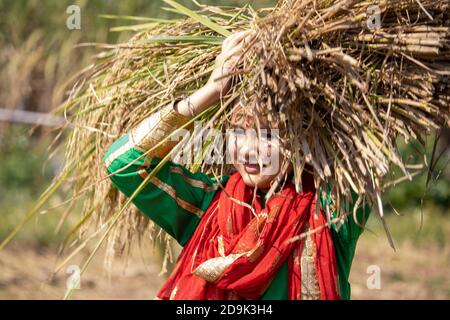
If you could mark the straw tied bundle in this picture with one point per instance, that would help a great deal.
(343, 90)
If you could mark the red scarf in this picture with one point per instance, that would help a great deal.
(235, 254)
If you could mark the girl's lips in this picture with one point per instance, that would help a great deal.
(251, 168)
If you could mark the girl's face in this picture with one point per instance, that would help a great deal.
(255, 155)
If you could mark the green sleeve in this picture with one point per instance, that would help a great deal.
(174, 199)
(345, 238)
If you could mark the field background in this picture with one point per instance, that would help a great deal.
(37, 56)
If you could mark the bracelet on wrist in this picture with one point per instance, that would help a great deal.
(191, 108)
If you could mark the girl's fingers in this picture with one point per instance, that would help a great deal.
(234, 47)
(225, 42)
(239, 49)
(239, 37)
(234, 39)
(233, 53)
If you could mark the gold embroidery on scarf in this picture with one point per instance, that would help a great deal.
(171, 192)
(230, 225)
(310, 285)
(256, 252)
(274, 210)
(212, 269)
(297, 265)
(220, 245)
(275, 262)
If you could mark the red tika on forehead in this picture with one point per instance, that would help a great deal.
(248, 121)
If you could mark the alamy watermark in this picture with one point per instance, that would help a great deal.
(74, 279)
(73, 21)
(248, 147)
(373, 17)
(373, 282)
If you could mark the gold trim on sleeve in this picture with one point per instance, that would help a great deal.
(155, 129)
(171, 192)
(150, 132)
(195, 183)
(119, 152)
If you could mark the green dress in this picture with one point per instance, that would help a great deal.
(176, 198)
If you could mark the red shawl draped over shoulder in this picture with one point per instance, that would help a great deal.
(236, 250)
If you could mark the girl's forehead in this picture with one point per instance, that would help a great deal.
(244, 115)
(242, 119)
(246, 122)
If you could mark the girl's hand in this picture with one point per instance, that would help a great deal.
(226, 61)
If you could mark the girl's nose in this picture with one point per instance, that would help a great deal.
(248, 151)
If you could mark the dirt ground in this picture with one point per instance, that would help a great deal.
(409, 273)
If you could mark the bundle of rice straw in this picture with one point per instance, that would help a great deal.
(345, 82)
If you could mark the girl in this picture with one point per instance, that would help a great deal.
(235, 244)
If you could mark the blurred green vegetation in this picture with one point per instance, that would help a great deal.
(21, 168)
(25, 172)
(37, 55)
(418, 192)
(423, 228)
